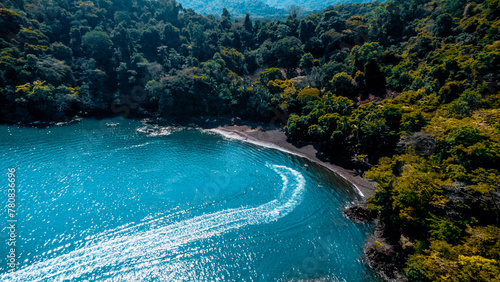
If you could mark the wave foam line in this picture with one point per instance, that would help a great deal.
(161, 242)
(270, 145)
(133, 146)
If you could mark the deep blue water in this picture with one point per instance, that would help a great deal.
(105, 203)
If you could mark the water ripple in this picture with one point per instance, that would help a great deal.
(152, 246)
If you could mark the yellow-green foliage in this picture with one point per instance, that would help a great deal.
(278, 86)
(35, 91)
(234, 59)
(307, 95)
(408, 88)
(342, 84)
(475, 259)
(34, 41)
(284, 91)
(414, 185)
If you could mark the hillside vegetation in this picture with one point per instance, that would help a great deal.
(260, 8)
(407, 89)
(309, 5)
(237, 8)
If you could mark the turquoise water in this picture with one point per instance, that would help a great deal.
(103, 203)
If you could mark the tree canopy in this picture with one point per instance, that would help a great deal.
(409, 87)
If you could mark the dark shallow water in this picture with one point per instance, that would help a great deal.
(112, 204)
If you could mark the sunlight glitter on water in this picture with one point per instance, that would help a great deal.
(113, 204)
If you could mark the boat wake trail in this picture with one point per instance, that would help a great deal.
(159, 245)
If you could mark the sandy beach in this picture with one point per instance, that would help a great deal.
(276, 138)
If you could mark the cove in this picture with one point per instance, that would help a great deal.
(108, 203)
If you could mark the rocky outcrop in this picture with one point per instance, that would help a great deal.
(359, 213)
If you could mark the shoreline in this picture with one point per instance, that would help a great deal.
(276, 139)
(251, 132)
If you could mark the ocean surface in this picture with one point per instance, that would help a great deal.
(132, 203)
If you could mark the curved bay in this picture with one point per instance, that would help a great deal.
(106, 203)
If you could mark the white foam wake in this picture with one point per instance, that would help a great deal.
(251, 140)
(157, 243)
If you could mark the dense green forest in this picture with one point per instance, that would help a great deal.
(309, 5)
(408, 89)
(237, 8)
(260, 8)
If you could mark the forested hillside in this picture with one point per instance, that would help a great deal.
(406, 88)
(310, 5)
(237, 8)
(260, 8)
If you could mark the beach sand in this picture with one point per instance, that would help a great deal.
(276, 138)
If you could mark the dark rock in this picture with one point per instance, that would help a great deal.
(384, 257)
(358, 213)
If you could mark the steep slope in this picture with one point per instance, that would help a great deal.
(256, 8)
(259, 8)
(309, 5)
